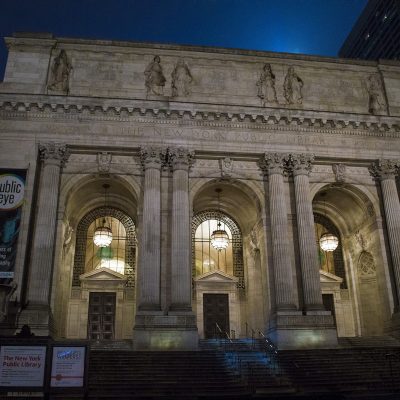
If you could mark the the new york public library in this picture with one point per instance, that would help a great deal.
(229, 215)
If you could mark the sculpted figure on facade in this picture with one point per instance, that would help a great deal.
(266, 86)
(340, 172)
(376, 100)
(60, 73)
(181, 79)
(292, 87)
(154, 77)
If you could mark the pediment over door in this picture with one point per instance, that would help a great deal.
(102, 276)
(329, 280)
(216, 276)
(216, 281)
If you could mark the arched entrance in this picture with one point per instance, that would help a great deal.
(227, 284)
(353, 277)
(103, 280)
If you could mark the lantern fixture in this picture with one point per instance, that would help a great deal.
(219, 238)
(103, 234)
(328, 241)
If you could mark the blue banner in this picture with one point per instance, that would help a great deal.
(12, 190)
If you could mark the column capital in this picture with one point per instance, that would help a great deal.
(54, 153)
(153, 157)
(274, 163)
(180, 158)
(384, 169)
(301, 164)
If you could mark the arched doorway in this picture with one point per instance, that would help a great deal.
(353, 276)
(230, 282)
(218, 274)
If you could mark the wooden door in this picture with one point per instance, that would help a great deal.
(215, 311)
(101, 316)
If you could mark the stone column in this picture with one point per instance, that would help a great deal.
(181, 275)
(38, 313)
(301, 167)
(385, 171)
(274, 164)
(149, 278)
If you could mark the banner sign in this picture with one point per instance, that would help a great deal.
(22, 366)
(68, 366)
(12, 189)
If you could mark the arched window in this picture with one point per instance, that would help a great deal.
(120, 256)
(331, 262)
(112, 256)
(205, 257)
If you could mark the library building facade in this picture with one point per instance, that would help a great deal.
(163, 194)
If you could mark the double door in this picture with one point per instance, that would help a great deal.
(216, 315)
(101, 324)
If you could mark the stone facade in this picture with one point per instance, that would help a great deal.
(165, 126)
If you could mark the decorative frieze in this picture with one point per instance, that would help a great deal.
(14, 109)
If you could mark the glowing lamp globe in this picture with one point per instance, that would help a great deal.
(102, 236)
(219, 239)
(328, 242)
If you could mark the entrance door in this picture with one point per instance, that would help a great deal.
(215, 311)
(101, 316)
(329, 304)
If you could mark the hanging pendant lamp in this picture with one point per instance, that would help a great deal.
(103, 234)
(328, 241)
(219, 238)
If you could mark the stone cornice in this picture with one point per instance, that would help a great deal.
(69, 108)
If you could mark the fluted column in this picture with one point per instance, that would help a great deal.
(180, 159)
(53, 157)
(149, 278)
(385, 171)
(301, 165)
(273, 164)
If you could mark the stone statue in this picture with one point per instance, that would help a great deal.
(376, 101)
(181, 79)
(6, 291)
(266, 86)
(60, 72)
(154, 77)
(292, 87)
